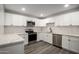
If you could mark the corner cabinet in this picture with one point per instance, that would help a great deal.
(70, 43)
(47, 37)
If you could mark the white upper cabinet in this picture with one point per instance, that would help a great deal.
(67, 19)
(8, 19)
(75, 18)
(18, 20)
(15, 20)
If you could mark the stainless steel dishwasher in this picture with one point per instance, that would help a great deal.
(57, 40)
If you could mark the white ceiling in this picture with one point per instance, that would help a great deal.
(37, 9)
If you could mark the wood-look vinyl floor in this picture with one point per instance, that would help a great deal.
(42, 47)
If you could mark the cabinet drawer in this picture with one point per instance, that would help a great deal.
(65, 37)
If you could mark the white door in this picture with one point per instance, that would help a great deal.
(65, 42)
(74, 44)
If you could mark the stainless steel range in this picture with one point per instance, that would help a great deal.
(32, 36)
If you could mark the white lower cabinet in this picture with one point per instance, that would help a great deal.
(16, 48)
(71, 43)
(65, 42)
(74, 44)
(47, 37)
(25, 37)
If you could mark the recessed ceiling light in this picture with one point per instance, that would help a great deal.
(66, 5)
(23, 9)
(41, 15)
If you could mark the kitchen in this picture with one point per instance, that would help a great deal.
(39, 28)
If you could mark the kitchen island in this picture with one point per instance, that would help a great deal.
(11, 44)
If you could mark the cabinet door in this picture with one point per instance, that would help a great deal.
(17, 20)
(74, 44)
(14, 19)
(25, 37)
(8, 19)
(40, 36)
(47, 37)
(65, 42)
